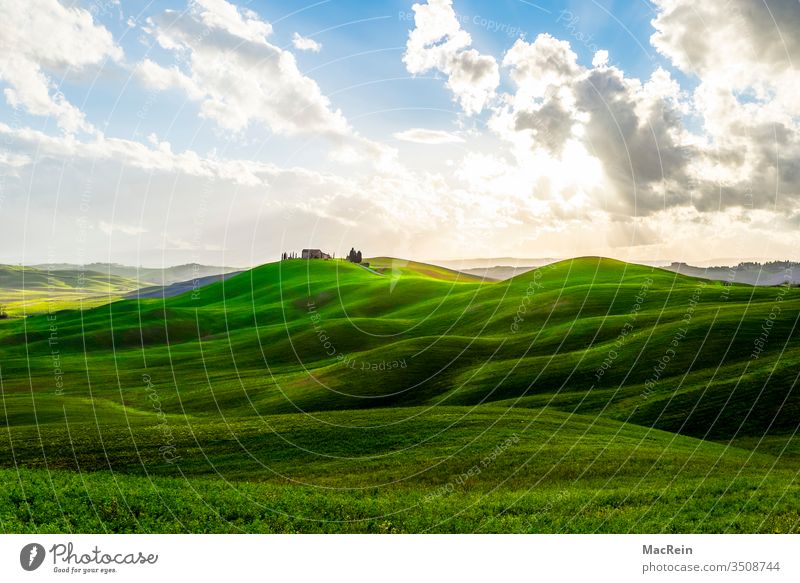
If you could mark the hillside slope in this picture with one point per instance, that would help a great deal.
(145, 275)
(17, 278)
(590, 335)
(319, 396)
(27, 290)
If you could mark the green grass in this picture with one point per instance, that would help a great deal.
(557, 472)
(320, 396)
(27, 290)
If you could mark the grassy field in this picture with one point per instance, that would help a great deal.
(27, 290)
(319, 396)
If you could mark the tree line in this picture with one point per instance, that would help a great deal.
(354, 256)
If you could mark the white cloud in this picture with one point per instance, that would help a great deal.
(253, 204)
(240, 78)
(242, 212)
(426, 136)
(438, 42)
(111, 228)
(580, 159)
(748, 152)
(302, 43)
(37, 146)
(600, 59)
(746, 155)
(237, 75)
(162, 78)
(633, 129)
(702, 38)
(45, 38)
(240, 22)
(540, 66)
(13, 160)
(744, 56)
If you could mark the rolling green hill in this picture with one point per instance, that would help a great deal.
(18, 278)
(587, 395)
(26, 290)
(145, 275)
(40, 289)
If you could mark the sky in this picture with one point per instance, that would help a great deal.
(161, 133)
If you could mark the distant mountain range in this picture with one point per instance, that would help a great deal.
(751, 272)
(13, 277)
(146, 276)
(466, 265)
(499, 268)
(748, 272)
(26, 290)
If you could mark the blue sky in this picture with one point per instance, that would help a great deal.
(361, 65)
(222, 132)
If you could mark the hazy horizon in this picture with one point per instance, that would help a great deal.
(458, 263)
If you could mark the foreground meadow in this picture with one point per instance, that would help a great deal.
(587, 396)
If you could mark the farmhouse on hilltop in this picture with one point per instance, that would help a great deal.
(314, 254)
